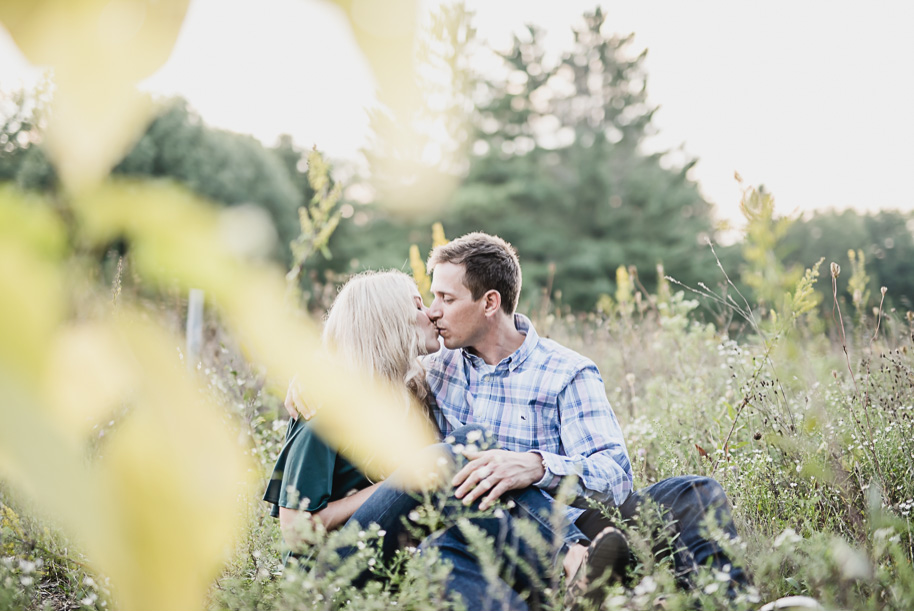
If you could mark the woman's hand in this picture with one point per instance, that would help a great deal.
(295, 404)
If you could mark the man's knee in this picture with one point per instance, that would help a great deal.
(710, 492)
(693, 487)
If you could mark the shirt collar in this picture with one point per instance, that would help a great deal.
(515, 359)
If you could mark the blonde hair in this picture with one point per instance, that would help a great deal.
(372, 324)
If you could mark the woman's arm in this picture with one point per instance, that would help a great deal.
(332, 516)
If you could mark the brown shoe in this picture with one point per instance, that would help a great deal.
(604, 564)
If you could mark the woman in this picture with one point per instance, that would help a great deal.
(378, 323)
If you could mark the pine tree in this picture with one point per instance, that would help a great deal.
(559, 170)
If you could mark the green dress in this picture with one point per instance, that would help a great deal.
(308, 469)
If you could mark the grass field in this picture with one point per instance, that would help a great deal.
(811, 444)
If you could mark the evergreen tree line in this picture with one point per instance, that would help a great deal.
(549, 154)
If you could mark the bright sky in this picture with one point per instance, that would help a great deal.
(813, 99)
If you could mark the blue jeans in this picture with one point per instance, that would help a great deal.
(390, 505)
(688, 505)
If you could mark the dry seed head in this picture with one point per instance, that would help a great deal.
(835, 270)
(883, 289)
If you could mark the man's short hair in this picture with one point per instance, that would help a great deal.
(490, 263)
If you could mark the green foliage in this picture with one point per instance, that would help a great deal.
(883, 240)
(804, 299)
(763, 250)
(22, 121)
(417, 151)
(38, 569)
(318, 219)
(858, 283)
(559, 173)
(228, 168)
(225, 167)
(556, 168)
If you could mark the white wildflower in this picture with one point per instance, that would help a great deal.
(647, 585)
(788, 535)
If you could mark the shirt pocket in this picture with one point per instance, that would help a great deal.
(544, 422)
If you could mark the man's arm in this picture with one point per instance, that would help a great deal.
(590, 436)
(592, 440)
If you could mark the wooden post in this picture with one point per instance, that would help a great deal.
(194, 328)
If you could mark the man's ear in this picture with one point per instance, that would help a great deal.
(492, 301)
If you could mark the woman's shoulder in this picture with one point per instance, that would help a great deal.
(302, 432)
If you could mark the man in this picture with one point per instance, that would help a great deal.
(545, 404)
(546, 407)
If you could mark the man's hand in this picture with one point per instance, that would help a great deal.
(295, 405)
(496, 471)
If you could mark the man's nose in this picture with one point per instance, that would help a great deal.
(434, 311)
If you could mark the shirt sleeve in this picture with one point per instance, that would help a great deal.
(304, 471)
(592, 439)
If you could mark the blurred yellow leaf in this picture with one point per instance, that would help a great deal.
(175, 236)
(32, 302)
(99, 49)
(160, 509)
(130, 39)
(90, 371)
(175, 477)
(92, 127)
(49, 466)
(28, 219)
(30, 308)
(386, 32)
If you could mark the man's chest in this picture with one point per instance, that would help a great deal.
(520, 407)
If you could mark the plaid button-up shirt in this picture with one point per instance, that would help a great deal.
(543, 398)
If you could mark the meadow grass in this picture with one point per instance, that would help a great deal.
(812, 446)
(817, 464)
